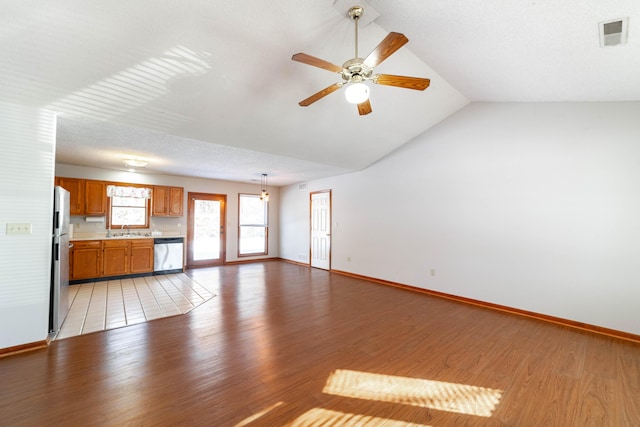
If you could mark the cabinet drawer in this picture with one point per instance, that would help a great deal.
(88, 244)
(141, 242)
(119, 243)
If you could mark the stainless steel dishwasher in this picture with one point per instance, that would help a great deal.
(167, 254)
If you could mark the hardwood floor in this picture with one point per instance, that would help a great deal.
(285, 345)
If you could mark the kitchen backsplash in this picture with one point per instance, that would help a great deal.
(96, 227)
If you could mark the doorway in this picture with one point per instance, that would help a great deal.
(206, 241)
(321, 229)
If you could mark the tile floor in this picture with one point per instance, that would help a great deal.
(98, 306)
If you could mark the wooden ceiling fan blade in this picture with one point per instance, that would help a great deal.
(385, 49)
(316, 62)
(320, 94)
(416, 83)
(364, 108)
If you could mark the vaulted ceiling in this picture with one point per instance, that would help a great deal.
(208, 88)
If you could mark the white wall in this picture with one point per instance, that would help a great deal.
(179, 225)
(27, 148)
(531, 206)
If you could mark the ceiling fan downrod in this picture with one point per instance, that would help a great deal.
(355, 13)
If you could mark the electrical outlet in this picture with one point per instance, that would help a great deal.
(18, 228)
(433, 272)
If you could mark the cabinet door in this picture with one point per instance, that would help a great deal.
(85, 260)
(160, 200)
(141, 256)
(116, 257)
(175, 201)
(95, 197)
(75, 187)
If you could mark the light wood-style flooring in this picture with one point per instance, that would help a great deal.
(286, 345)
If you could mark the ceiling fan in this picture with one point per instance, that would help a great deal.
(357, 70)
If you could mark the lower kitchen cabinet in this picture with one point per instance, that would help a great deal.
(127, 256)
(141, 256)
(95, 259)
(85, 258)
(116, 257)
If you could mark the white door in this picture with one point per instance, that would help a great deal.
(321, 230)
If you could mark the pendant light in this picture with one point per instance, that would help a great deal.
(264, 194)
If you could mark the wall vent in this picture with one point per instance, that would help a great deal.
(302, 186)
(613, 33)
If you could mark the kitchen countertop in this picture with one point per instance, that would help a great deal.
(102, 236)
(76, 239)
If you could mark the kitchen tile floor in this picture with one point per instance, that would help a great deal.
(98, 306)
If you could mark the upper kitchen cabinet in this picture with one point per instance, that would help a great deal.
(95, 197)
(86, 196)
(167, 201)
(75, 187)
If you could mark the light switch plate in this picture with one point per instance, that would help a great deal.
(18, 228)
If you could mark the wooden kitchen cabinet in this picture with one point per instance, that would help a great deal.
(167, 201)
(141, 260)
(127, 256)
(95, 197)
(76, 190)
(86, 196)
(85, 259)
(93, 259)
(176, 195)
(115, 257)
(160, 201)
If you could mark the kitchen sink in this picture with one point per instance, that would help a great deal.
(129, 235)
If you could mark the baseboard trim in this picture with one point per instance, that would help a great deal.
(290, 261)
(543, 317)
(250, 261)
(9, 351)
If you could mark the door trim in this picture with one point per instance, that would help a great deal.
(311, 225)
(223, 236)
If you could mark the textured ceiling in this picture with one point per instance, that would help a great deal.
(208, 88)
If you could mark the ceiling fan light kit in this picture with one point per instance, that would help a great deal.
(356, 93)
(356, 71)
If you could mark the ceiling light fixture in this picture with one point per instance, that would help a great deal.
(135, 163)
(264, 195)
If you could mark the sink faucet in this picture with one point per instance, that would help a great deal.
(123, 227)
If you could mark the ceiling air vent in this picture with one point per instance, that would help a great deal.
(613, 33)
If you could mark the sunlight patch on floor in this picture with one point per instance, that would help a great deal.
(327, 417)
(439, 395)
(254, 417)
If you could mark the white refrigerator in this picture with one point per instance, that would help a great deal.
(59, 300)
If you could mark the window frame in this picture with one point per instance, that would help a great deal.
(147, 218)
(265, 226)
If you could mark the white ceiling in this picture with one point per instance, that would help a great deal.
(208, 88)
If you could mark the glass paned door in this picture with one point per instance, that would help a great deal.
(206, 233)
